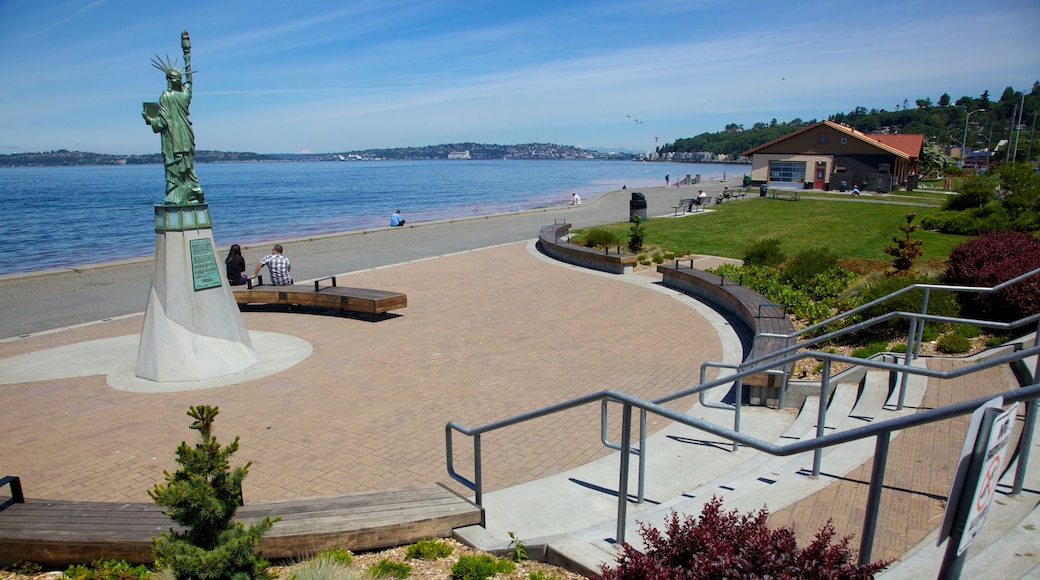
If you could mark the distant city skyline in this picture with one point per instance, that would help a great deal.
(314, 77)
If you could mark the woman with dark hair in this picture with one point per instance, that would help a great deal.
(236, 266)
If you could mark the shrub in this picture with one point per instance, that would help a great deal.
(940, 303)
(764, 252)
(968, 330)
(807, 264)
(387, 568)
(106, 570)
(637, 234)
(975, 191)
(202, 496)
(478, 567)
(540, 575)
(599, 238)
(428, 550)
(326, 565)
(345, 557)
(871, 348)
(731, 545)
(989, 260)
(658, 258)
(952, 343)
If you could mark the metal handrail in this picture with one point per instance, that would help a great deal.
(777, 362)
(881, 430)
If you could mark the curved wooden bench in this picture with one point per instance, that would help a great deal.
(62, 533)
(549, 243)
(370, 302)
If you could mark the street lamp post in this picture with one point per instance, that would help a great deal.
(964, 144)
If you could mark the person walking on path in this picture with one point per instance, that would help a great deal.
(396, 219)
(278, 265)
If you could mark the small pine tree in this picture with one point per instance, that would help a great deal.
(637, 235)
(906, 250)
(202, 497)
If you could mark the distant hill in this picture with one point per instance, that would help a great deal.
(63, 157)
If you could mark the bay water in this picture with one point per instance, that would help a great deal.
(57, 217)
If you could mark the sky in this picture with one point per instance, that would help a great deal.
(297, 76)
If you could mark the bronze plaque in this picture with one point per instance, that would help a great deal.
(205, 272)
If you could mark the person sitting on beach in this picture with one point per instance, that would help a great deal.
(236, 266)
(575, 198)
(396, 219)
(278, 265)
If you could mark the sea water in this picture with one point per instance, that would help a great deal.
(57, 217)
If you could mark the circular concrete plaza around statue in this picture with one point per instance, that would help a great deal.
(339, 404)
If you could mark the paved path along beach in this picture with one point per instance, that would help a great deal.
(35, 302)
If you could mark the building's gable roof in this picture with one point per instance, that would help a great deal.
(898, 145)
(909, 143)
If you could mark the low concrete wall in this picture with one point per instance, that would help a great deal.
(549, 243)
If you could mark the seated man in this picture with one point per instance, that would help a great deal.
(278, 265)
(396, 219)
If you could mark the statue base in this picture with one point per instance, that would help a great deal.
(193, 330)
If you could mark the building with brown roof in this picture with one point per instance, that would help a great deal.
(829, 155)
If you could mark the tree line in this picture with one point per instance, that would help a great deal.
(943, 123)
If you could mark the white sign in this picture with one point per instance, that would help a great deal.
(982, 499)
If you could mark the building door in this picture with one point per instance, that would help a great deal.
(821, 169)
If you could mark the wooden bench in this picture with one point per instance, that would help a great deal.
(363, 300)
(62, 533)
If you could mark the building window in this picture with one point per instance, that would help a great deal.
(787, 171)
(821, 138)
(844, 140)
(884, 168)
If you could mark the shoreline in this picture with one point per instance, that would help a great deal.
(39, 301)
(262, 245)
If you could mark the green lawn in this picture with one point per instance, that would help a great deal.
(849, 229)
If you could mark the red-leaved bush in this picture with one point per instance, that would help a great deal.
(989, 260)
(732, 545)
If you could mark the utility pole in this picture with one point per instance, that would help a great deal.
(1018, 125)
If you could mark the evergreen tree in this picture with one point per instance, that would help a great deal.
(906, 250)
(202, 497)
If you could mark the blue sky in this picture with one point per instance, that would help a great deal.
(297, 76)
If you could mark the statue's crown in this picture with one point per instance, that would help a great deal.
(170, 67)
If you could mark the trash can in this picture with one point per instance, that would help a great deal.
(637, 205)
(763, 190)
(747, 181)
(911, 181)
(843, 186)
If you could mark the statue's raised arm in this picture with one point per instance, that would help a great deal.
(169, 118)
(186, 49)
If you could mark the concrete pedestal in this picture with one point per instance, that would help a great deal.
(193, 330)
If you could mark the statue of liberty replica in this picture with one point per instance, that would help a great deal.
(169, 117)
(193, 330)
